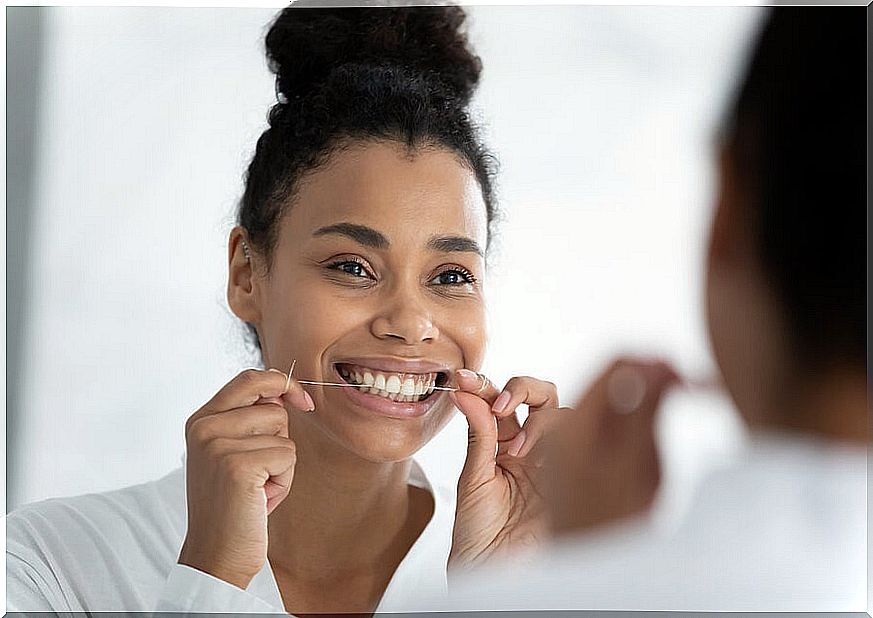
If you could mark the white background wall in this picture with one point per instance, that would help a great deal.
(602, 118)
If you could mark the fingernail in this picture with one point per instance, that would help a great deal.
(276, 371)
(517, 443)
(501, 402)
(309, 401)
(467, 374)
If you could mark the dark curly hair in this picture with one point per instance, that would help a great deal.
(345, 75)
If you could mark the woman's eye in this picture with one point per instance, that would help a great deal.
(453, 277)
(351, 267)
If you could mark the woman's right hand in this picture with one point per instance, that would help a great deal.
(240, 465)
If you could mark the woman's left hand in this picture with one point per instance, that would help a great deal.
(500, 508)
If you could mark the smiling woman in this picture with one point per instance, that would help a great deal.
(379, 259)
(358, 259)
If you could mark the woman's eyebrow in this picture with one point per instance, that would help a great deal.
(449, 244)
(362, 234)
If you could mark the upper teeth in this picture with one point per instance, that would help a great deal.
(405, 385)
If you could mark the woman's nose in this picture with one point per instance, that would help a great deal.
(406, 320)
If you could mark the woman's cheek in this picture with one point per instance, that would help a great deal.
(471, 333)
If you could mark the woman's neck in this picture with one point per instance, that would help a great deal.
(830, 404)
(343, 512)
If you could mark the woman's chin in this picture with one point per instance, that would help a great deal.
(379, 439)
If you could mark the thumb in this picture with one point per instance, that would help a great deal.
(481, 438)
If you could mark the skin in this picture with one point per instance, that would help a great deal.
(750, 339)
(324, 495)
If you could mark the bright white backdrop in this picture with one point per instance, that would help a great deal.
(603, 121)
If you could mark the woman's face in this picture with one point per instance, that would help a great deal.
(377, 279)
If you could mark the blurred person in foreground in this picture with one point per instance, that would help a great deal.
(784, 528)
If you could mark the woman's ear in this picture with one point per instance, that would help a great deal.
(730, 235)
(242, 288)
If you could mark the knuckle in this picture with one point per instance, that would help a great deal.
(274, 421)
(249, 376)
(195, 431)
(291, 453)
(213, 448)
(234, 466)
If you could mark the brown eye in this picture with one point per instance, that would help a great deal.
(353, 268)
(453, 276)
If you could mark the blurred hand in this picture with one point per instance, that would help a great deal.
(603, 463)
(239, 468)
(500, 511)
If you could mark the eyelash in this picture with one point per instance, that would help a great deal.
(337, 264)
(466, 275)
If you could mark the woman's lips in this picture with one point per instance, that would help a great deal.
(396, 386)
(382, 405)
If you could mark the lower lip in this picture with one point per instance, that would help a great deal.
(393, 409)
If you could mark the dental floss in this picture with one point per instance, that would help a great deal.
(314, 383)
(708, 383)
(288, 381)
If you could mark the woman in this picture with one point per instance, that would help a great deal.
(358, 259)
(784, 527)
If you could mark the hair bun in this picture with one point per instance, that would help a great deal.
(305, 44)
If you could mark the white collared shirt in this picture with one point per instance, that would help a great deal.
(117, 551)
(782, 529)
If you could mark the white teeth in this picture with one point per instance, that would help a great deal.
(395, 387)
(392, 384)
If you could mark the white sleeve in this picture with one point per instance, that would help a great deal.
(28, 589)
(190, 590)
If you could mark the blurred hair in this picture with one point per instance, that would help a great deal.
(796, 135)
(347, 75)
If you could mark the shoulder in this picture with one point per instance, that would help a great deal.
(155, 509)
(61, 553)
(444, 494)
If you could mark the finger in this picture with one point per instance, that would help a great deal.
(220, 447)
(507, 427)
(295, 395)
(477, 384)
(659, 378)
(277, 488)
(624, 384)
(244, 390)
(256, 467)
(268, 418)
(481, 439)
(525, 390)
(535, 428)
(271, 455)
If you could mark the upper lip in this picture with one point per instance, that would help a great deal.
(396, 365)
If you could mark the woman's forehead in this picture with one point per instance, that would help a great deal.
(386, 187)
